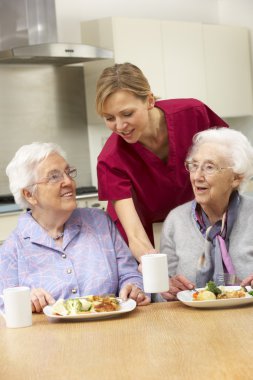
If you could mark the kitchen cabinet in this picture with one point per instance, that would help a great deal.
(228, 70)
(8, 221)
(91, 201)
(180, 59)
(184, 64)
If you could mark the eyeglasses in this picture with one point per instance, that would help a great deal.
(207, 167)
(56, 176)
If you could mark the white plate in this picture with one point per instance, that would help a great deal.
(186, 297)
(125, 307)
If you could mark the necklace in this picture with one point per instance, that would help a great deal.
(58, 236)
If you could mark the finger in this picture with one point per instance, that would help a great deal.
(125, 291)
(247, 281)
(181, 282)
(49, 299)
(40, 299)
(168, 296)
(143, 300)
(140, 296)
(36, 305)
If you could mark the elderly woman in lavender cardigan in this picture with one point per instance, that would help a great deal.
(58, 250)
(213, 234)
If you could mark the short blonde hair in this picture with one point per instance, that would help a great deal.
(121, 76)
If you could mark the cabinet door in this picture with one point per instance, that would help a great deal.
(228, 72)
(138, 41)
(183, 56)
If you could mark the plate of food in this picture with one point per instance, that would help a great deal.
(89, 307)
(213, 296)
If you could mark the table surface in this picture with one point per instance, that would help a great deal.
(159, 341)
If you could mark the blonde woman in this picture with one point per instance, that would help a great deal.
(141, 167)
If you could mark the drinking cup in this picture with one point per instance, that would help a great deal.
(155, 272)
(17, 307)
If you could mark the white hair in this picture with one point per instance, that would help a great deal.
(238, 151)
(22, 168)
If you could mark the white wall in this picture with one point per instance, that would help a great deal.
(71, 13)
(239, 13)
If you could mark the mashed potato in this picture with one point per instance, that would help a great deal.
(205, 295)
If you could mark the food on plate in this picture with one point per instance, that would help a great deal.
(214, 292)
(204, 295)
(88, 304)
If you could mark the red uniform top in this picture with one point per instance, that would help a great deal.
(132, 171)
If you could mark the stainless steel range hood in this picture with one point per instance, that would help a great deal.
(54, 53)
(28, 34)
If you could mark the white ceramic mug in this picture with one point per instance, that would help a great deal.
(155, 272)
(17, 307)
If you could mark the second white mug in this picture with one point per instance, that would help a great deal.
(155, 272)
(17, 307)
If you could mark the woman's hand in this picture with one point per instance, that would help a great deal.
(177, 284)
(135, 293)
(247, 281)
(40, 298)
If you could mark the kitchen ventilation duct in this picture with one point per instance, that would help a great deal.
(28, 34)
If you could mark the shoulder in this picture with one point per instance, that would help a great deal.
(246, 205)
(91, 216)
(113, 147)
(179, 213)
(179, 105)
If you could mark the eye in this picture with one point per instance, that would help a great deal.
(210, 168)
(109, 118)
(54, 176)
(128, 114)
(193, 166)
(71, 172)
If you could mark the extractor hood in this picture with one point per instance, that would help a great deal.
(54, 53)
(28, 34)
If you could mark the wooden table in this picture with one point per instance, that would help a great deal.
(159, 341)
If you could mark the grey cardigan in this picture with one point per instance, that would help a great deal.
(182, 241)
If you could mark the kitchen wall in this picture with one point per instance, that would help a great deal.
(46, 103)
(228, 12)
(43, 103)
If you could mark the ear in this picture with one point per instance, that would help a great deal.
(237, 180)
(150, 101)
(29, 197)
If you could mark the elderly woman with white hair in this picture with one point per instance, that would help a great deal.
(212, 235)
(58, 250)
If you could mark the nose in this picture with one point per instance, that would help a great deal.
(120, 125)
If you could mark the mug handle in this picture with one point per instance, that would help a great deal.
(1, 312)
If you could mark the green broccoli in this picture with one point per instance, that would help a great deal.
(212, 287)
(73, 305)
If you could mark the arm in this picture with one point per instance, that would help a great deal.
(177, 282)
(130, 284)
(139, 242)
